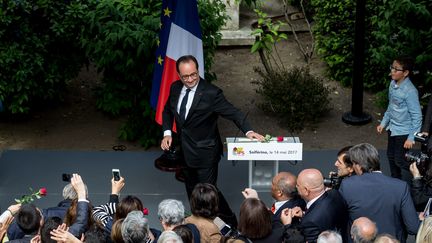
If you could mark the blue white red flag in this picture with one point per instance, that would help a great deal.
(180, 35)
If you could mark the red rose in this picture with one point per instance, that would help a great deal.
(280, 139)
(145, 211)
(43, 191)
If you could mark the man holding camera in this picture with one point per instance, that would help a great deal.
(388, 202)
(344, 169)
(421, 187)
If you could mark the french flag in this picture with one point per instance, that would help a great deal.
(180, 35)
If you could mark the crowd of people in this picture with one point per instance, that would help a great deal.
(359, 204)
(364, 206)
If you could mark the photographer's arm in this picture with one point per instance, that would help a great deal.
(82, 211)
(103, 213)
(420, 192)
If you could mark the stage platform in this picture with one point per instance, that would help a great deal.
(21, 169)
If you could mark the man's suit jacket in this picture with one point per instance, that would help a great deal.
(327, 213)
(385, 200)
(294, 202)
(199, 135)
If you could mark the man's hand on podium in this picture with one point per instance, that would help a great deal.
(254, 135)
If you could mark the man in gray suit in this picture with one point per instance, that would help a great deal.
(385, 200)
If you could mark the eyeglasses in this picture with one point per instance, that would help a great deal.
(395, 69)
(187, 77)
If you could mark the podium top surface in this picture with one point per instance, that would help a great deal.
(274, 139)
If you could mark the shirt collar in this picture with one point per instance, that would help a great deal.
(279, 204)
(309, 204)
(193, 89)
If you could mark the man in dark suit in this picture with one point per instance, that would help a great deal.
(195, 105)
(284, 191)
(325, 210)
(383, 199)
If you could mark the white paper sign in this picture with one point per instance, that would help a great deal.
(241, 149)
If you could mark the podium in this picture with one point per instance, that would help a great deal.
(264, 157)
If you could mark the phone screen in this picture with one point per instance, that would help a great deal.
(116, 174)
(66, 177)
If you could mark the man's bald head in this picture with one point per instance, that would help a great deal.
(310, 183)
(363, 230)
(284, 186)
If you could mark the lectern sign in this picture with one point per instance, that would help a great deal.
(245, 149)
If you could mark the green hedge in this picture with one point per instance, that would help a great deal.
(44, 43)
(393, 27)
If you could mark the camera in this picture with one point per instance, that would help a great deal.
(422, 158)
(333, 181)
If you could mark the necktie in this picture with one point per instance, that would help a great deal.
(273, 208)
(183, 105)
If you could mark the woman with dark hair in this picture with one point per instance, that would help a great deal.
(204, 203)
(127, 205)
(255, 222)
(107, 214)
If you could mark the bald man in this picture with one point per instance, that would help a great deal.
(325, 210)
(363, 230)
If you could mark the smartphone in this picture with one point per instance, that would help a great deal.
(66, 177)
(116, 174)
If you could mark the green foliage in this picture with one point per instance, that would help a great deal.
(44, 43)
(392, 28)
(120, 39)
(402, 27)
(334, 22)
(38, 52)
(267, 35)
(295, 96)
